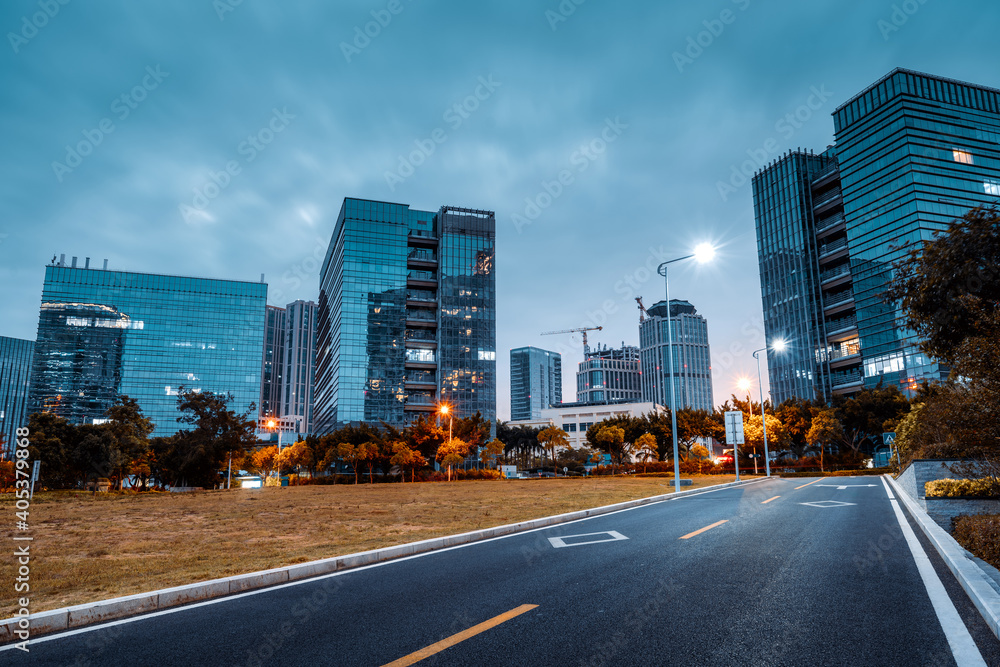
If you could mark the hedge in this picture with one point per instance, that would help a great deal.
(987, 487)
(979, 534)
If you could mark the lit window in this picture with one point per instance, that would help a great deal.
(992, 188)
(962, 156)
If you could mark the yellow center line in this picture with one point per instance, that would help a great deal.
(769, 500)
(702, 530)
(448, 642)
(812, 482)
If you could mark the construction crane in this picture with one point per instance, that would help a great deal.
(643, 313)
(583, 330)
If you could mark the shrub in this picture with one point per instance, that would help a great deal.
(957, 488)
(979, 534)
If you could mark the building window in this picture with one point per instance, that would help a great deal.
(964, 157)
(992, 188)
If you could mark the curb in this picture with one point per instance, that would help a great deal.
(973, 579)
(131, 605)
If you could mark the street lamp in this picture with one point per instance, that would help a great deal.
(744, 384)
(702, 253)
(778, 346)
(446, 410)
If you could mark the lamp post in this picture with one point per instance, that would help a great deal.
(744, 384)
(777, 346)
(702, 253)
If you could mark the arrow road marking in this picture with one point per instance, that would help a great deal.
(846, 486)
(823, 504)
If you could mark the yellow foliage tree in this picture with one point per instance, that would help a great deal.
(451, 453)
(645, 448)
(264, 460)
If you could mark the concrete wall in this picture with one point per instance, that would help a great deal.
(942, 510)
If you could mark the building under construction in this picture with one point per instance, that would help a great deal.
(609, 376)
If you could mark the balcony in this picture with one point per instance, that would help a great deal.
(421, 239)
(827, 199)
(422, 259)
(834, 273)
(843, 379)
(829, 225)
(833, 251)
(426, 319)
(826, 174)
(838, 302)
(422, 402)
(421, 338)
(419, 278)
(841, 324)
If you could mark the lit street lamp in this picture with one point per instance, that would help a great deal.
(702, 253)
(744, 385)
(778, 346)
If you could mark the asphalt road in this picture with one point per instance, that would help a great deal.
(781, 582)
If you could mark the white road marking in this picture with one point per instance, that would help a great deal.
(612, 536)
(846, 486)
(823, 504)
(963, 647)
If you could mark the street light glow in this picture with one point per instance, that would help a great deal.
(704, 252)
(743, 384)
(779, 345)
(444, 409)
(271, 423)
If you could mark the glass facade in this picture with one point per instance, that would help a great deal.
(406, 315)
(15, 375)
(609, 376)
(271, 370)
(299, 364)
(913, 152)
(535, 382)
(692, 382)
(101, 333)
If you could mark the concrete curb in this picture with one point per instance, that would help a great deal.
(96, 612)
(972, 577)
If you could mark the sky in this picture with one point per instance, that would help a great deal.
(218, 138)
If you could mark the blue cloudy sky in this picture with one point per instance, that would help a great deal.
(304, 109)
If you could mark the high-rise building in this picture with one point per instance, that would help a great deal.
(913, 152)
(535, 382)
(15, 375)
(609, 376)
(298, 365)
(272, 364)
(103, 333)
(692, 358)
(407, 315)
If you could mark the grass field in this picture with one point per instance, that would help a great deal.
(90, 547)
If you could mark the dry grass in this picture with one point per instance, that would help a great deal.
(91, 547)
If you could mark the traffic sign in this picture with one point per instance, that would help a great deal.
(734, 427)
(888, 438)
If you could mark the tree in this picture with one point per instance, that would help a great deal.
(356, 454)
(265, 460)
(753, 433)
(491, 452)
(130, 430)
(948, 288)
(451, 453)
(864, 415)
(645, 446)
(522, 441)
(198, 456)
(796, 414)
(825, 429)
(407, 459)
(51, 442)
(695, 424)
(610, 439)
(701, 452)
(293, 457)
(551, 439)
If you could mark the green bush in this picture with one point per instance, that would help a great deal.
(958, 488)
(979, 534)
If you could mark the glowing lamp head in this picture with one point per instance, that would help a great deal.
(271, 423)
(743, 384)
(445, 409)
(779, 345)
(704, 252)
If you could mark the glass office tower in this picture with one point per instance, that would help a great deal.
(535, 382)
(692, 381)
(272, 365)
(912, 153)
(406, 315)
(609, 376)
(299, 364)
(103, 333)
(15, 376)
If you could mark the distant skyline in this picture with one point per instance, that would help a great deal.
(219, 139)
